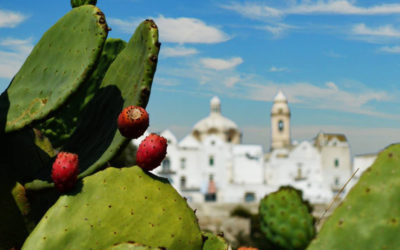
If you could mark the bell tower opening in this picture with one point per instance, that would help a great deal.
(280, 122)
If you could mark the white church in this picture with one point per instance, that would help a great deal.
(211, 165)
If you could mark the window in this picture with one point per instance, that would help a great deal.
(211, 161)
(280, 125)
(183, 163)
(249, 197)
(337, 181)
(166, 165)
(183, 182)
(336, 162)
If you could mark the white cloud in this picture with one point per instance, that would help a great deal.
(13, 53)
(329, 97)
(332, 86)
(391, 50)
(177, 30)
(10, 19)
(277, 69)
(231, 81)
(278, 29)
(221, 64)
(178, 51)
(125, 26)
(384, 31)
(257, 10)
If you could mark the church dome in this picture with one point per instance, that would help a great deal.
(216, 123)
(280, 106)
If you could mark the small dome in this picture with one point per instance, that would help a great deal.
(215, 105)
(280, 97)
(280, 106)
(216, 123)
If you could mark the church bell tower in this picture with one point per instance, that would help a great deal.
(280, 122)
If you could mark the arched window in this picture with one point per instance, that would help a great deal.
(280, 126)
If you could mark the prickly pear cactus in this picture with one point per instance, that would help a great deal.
(127, 82)
(369, 216)
(214, 242)
(114, 206)
(58, 64)
(286, 219)
(62, 125)
(77, 3)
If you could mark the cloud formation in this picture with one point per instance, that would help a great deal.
(177, 30)
(10, 19)
(178, 51)
(328, 97)
(390, 49)
(258, 10)
(221, 64)
(380, 31)
(277, 69)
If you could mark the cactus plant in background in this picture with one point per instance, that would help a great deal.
(369, 216)
(286, 219)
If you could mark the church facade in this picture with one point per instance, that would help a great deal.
(212, 165)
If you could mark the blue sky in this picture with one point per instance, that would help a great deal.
(336, 61)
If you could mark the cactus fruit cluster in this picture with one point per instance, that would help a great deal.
(286, 220)
(67, 97)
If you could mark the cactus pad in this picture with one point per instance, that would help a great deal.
(286, 219)
(127, 82)
(369, 216)
(114, 206)
(61, 126)
(214, 242)
(56, 67)
(77, 3)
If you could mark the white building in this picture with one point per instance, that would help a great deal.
(211, 164)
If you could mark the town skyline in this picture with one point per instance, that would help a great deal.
(336, 61)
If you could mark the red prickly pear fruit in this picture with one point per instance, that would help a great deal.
(65, 171)
(151, 152)
(133, 121)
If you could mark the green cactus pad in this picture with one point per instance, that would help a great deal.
(56, 67)
(61, 126)
(77, 3)
(133, 246)
(115, 206)
(286, 219)
(127, 82)
(214, 242)
(369, 216)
